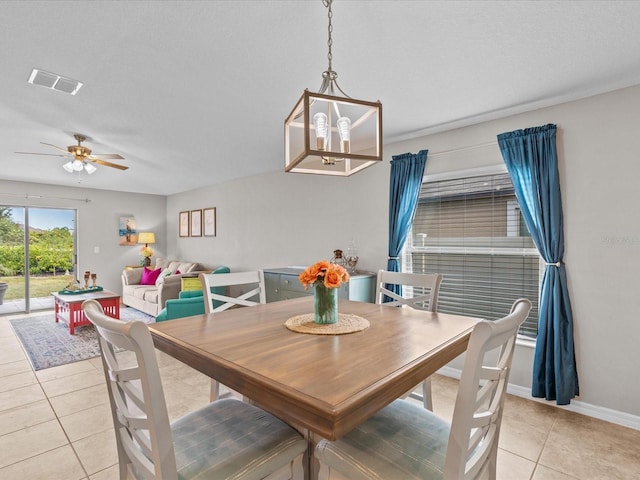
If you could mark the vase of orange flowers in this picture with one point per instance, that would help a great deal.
(326, 278)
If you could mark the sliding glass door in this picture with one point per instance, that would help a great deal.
(37, 255)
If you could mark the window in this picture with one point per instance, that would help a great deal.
(471, 231)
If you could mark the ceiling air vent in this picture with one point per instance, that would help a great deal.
(54, 81)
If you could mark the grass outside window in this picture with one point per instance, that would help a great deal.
(40, 286)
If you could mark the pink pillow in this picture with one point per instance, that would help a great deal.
(149, 277)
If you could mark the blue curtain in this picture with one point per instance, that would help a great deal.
(531, 159)
(407, 171)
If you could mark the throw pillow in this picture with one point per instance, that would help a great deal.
(163, 274)
(162, 263)
(186, 267)
(149, 277)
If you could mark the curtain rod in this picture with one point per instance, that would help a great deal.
(46, 197)
(462, 149)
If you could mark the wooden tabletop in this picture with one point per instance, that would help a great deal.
(328, 384)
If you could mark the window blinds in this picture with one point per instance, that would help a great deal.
(470, 230)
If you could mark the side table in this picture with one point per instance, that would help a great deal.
(68, 307)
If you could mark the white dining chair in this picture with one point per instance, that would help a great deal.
(406, 441)
(233, 281)
(225, 439)
(420, 291)
(242, 289)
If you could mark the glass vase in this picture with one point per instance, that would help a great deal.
(326, 304)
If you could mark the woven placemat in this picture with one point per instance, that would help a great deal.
(347, 323)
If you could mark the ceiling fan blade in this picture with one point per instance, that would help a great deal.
(55, 146)
(48, 154)
(111, 156)
(107, 164)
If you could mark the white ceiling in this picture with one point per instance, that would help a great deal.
(195, 93)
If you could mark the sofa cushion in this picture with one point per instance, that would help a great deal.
(175, 265)
(186, 267)
(149, 277)
(140, 291)
(162, 263)
(151, 296)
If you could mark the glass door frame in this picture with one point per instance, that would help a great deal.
(26, 246)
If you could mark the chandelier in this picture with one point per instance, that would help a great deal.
(329, 134)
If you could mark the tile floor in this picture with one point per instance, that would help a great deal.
(55, 424)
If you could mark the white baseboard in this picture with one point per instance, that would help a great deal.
(601, 413)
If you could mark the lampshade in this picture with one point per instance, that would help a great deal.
(68, 166)
(77, 165)
(89, 168)
(327, 134)
(146, 238)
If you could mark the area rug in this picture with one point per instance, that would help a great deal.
(49, 344)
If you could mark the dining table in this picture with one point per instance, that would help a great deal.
(324, 385)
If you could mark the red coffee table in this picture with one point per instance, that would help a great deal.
(68, 307)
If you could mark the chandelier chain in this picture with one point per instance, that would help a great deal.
(327, 3)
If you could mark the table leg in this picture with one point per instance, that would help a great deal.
(111, 307)
(57, 309)
(310, 464)
(74, 317)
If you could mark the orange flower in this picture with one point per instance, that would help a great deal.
(319, 268)
(312, 274)
(332, 278)
(307, 279)
(328, 273)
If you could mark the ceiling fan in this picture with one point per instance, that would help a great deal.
(81, 157)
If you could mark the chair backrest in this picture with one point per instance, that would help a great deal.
(237, 280)
(424, 289)
(138, 407)
(473, 440)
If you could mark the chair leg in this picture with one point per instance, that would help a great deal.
(215, 391)
(427, 398)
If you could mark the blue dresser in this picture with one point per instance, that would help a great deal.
(283, 284)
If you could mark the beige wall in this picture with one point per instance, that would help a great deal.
(282, 219)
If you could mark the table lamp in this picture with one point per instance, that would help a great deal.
(147, 253)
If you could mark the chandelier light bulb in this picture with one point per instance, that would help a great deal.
(68, 166)
(77, 165)
(322, 130)
(344, 129)
(89, 168)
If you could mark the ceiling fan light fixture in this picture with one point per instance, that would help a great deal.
(329, 134)
(81, 157)
(54, 81)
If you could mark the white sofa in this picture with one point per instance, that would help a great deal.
(151, 298)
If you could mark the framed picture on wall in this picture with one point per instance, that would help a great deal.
(127, 231)
(196, 223)
(183, 224)
(209, 221)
